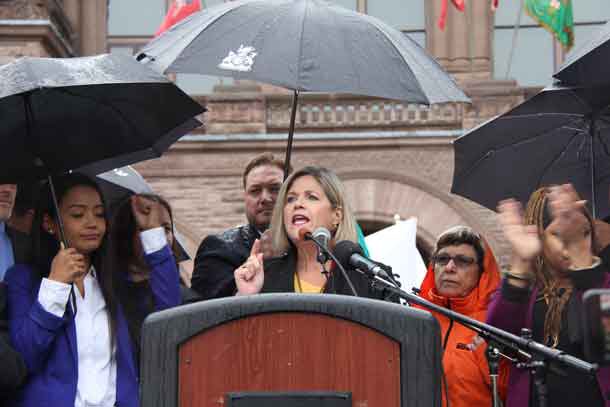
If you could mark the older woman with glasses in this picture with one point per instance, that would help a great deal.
(462, 277)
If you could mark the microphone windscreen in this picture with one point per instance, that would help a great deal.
(344, 250)
(321, 232)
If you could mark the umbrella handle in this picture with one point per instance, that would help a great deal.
(293, 115)
(60, 223)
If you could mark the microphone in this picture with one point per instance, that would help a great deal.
(322, 236)
(351, 254)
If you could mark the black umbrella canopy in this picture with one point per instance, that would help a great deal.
(103, 111)
(304, 45)
(588, 64)
(560, 135)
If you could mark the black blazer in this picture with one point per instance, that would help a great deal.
(217, 258)
(12, 367)
(279, 277)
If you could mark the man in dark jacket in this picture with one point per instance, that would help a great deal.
(13, 249)
(219, 255)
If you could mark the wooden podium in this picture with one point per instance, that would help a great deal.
(291, 350)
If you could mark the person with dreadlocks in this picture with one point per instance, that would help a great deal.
(553, 263)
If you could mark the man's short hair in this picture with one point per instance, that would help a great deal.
(458, 235)
(263, 159)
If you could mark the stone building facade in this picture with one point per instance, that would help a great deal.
(395, 158)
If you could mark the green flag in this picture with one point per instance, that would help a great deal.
(555, 16)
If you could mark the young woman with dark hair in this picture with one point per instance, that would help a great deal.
(79, 352)
(140, 281)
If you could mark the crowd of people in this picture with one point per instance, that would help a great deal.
(78, 283)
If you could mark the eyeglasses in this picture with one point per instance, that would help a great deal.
(459, 260)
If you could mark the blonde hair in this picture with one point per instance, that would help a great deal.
(334, 191)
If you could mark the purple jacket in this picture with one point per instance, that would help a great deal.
(512, 316)
(48, 343)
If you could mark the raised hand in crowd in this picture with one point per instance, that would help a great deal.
(250, 276)
(147, 212)
(523, 239)
(571, 225)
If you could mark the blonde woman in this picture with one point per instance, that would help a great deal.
(310, 198)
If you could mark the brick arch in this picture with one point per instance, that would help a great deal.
(379, 196)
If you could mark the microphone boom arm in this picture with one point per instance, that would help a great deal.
(526, 348)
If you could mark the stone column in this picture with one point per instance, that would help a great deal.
(436, 40)
(94, 27)
(481, 38)
(457, 34)
(464, 47)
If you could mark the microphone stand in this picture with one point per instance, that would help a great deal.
(324, 250)
(536, 355)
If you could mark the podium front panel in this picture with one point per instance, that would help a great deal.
(290, 351)
(383, 354)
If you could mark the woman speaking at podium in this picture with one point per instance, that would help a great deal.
(310, 198)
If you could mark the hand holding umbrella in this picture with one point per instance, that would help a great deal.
(68, 266)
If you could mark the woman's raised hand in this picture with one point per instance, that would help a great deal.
(523, 238)
(250, 276)
(146, 212)
(567, 209)
(67, 266)
(573, 227)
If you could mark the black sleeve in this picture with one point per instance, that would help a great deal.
(513, 293)
(12, 367)
(604, 255)
(213, 270)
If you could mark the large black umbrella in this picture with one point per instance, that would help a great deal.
(62, 114)
(588, 64)
(101, 112)
(560, 135)
(303, 45)
(120, 183)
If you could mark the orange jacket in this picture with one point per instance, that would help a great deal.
(467, 372)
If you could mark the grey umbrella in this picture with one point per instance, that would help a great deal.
(303, 45)
(560, 135)
(588, 64)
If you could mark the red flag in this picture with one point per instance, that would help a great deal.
(178, 10)
(459, 4)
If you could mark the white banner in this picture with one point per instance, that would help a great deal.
(395, 246)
